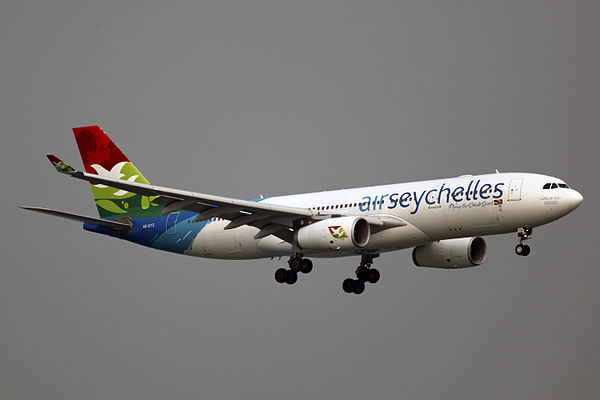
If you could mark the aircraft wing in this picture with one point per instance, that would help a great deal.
(271, 219)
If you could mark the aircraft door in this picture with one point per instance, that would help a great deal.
(514, 190)
(171, 223)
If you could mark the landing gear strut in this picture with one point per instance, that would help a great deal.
(522, 249)
(364, 273)
(296, 264)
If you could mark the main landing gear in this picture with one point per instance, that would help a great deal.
(364, 273)
(296, 264)
(522, 249)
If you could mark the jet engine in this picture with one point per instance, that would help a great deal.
(344, 233)
(451, 253)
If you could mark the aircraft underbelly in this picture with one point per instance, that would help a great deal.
(398, 238)
(216, 242)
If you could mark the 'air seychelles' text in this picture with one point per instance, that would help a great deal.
(433, 196)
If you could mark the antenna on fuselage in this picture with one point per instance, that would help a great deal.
(497, 171)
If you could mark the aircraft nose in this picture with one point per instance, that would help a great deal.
(574, 199)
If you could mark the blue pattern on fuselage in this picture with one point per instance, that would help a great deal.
(174, 232)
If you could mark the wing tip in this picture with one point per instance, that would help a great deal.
(53, 159)
(60, 165)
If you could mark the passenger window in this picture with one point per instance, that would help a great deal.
(546, 186)
(554, 186)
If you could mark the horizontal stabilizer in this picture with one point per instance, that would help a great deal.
(121, 227)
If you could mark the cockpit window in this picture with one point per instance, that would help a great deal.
(555, 185)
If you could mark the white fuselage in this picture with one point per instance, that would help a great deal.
(433, 210)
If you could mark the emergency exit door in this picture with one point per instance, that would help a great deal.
(514, 189)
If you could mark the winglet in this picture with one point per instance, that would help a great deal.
(60, 165)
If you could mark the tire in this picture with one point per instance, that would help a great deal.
(363, 274)
(359, 287)
(519, 249)
(348, 285)
(374, 275)
(292, 277)
(526, 250)
(306, 266)
(281, 275)
(295, 263)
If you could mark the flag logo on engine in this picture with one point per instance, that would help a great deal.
(338, 232)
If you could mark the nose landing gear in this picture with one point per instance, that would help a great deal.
(522, 249)
(364, 273)
(296, 264)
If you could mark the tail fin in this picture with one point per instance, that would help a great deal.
(102, 157)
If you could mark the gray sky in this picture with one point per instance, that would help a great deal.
(274, 97)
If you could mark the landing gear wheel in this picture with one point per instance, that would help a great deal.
(523, 233)
(522, 250)
(306, 266)
(295, 263)
(519, 249)
(292, 277)
(359, 287)
(363, 274)
(348, 285)
(374, 275)
(281, 275)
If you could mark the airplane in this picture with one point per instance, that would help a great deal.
(442, 220)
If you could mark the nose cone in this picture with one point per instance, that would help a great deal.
(573, 199)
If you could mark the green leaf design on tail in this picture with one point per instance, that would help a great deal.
(113, 202)
(109, 206)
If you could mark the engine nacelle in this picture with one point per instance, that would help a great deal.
(451, 253)
(344, 233)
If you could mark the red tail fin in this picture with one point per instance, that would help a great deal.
(101, 156)
(97, 148)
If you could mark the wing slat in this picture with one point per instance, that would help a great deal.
(246, 220)
(268, 230)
